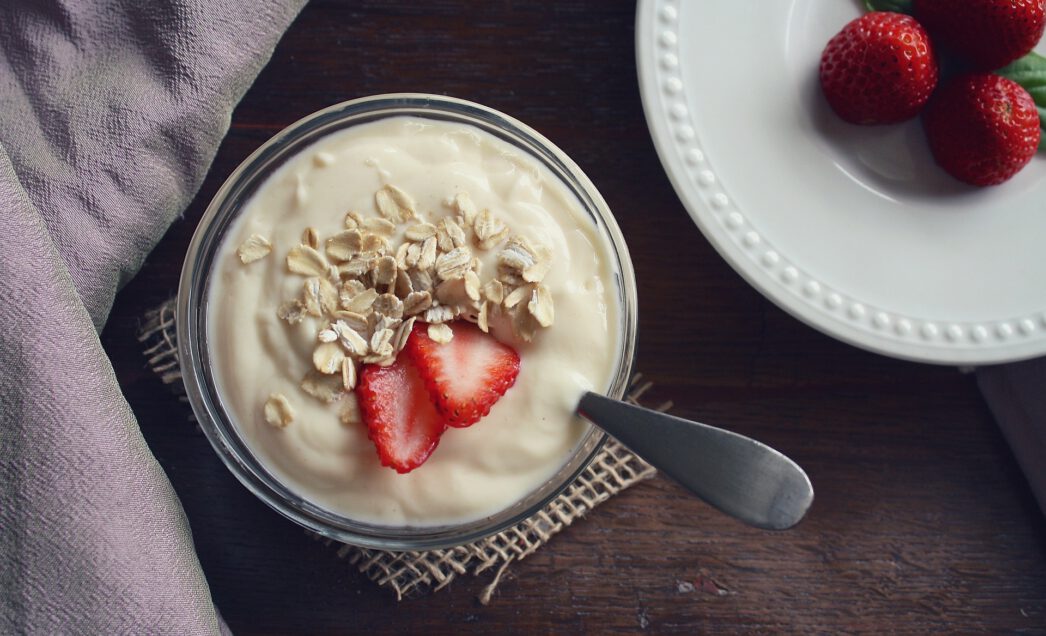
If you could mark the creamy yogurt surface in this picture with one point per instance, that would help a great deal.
(474, 472)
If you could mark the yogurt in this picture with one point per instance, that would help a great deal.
(474, 472)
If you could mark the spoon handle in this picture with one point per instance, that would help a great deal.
(738, 475)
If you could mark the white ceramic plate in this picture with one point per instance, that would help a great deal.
(852, 229)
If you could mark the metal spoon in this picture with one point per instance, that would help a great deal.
(738, 475)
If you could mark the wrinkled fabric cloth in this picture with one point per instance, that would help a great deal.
(110, 114)
(1016, 394)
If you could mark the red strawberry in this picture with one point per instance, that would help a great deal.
(988, 34)
(880, 69)
(982, 128)
(465, 376)
(400, 417)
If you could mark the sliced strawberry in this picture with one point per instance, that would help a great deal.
(400, 417)
(465, 376)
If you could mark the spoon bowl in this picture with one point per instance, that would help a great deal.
(736, 474)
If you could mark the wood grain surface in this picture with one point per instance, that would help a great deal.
(922, 521)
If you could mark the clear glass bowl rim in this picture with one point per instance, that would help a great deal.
(191, 316)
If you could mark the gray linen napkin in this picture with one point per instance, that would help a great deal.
(1016, 394)
(110, 114)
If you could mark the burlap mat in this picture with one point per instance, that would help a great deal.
(413, 573)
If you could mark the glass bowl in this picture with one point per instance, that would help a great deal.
(192, 314)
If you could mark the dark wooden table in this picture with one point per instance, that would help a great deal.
(923, 522)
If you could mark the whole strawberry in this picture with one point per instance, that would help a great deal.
(987, 34)
(879, 69)
(982, 128)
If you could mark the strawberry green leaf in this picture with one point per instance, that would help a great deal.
(1042, 124)
(1030, 72)
(897, 6)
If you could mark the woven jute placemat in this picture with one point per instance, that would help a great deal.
(409, 574)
